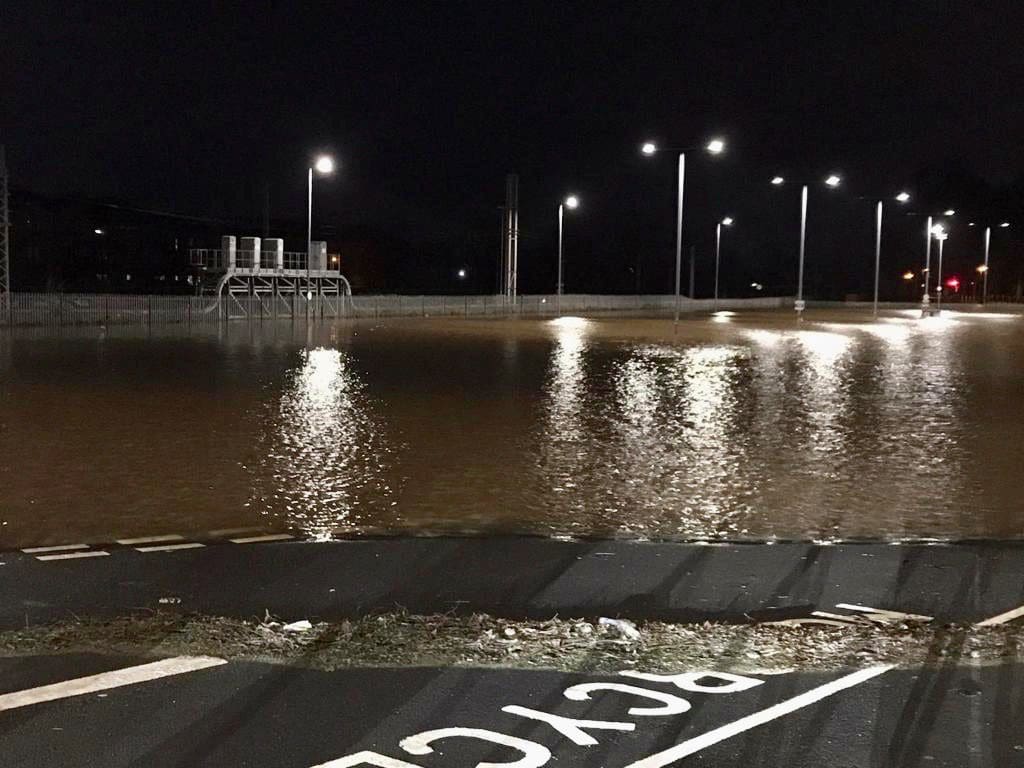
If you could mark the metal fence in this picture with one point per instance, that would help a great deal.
(59, 309)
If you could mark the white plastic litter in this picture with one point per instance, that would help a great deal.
(625, 628)
(298, 626)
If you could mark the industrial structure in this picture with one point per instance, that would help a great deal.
(508, 266)
(5, 242)
(252, 275)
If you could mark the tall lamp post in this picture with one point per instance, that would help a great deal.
(929, 228)
(572, 203)
(940, 235)
(902, 197)
(324, 165)
(832, 181)
(984, 279)
(725, 222)
(714, 147)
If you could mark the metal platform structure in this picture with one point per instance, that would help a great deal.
(256, 277)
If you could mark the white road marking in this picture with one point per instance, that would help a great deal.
(800, 622)
(895, 615)
(705, 740)
(74, 555)
(62, 547)
(234, 531)
(150, 539)
(170, 547)
(1002, 618)
(107, 680)
(266, 537)
(835, 616)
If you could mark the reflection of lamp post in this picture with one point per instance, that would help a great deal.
(714, 147)
(832, 181)
(726, 222)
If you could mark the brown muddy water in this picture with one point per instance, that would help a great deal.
(741, 426)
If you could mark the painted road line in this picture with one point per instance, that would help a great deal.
(266, 537)
(170, 547)
(712, 737)
(837, 617)
(60, 548)
(894, 615)
(150, 539)
(74, 555)
(1002, 618)
(107, 680)
(235, 531)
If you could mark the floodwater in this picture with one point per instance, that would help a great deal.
(744, 426)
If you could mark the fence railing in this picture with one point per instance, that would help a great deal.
(57, 309)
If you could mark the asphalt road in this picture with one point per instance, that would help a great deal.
(514, 578)
(248, 714)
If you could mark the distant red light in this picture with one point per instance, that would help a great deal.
(954, 283)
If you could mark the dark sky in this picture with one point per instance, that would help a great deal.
(429, 104)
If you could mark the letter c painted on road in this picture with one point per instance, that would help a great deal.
(673, 705)
(534, 755)
(690, 681)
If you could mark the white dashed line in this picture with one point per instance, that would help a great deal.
(170, 547)
(234, 531)
(150, 539)
(712, 737)
(1002, 618)
(881, 612)
(61, 548)
(107, 680)
(74, 555)
(267, 537)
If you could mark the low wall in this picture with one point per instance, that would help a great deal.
(60, 309)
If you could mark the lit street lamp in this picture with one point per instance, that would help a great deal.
(988, 239)
(902, 197)
(324, 165)
(714, 147)
(725, 222)
(928, 232)
(831, 181)
(572, 203)
(940, 234)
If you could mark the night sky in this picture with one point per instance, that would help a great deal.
(428, 105)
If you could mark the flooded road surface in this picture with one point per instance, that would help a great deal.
(737, 426)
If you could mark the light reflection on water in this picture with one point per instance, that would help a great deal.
(325, 458)
(760, 428)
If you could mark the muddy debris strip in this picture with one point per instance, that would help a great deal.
(571, 645)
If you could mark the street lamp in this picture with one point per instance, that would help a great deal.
(902, 197)
(572, 203)
(940, 234)
(928, 232)
(714, 147)
(831, 181)
(725, 222)
(984, 282)
(324, 165)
